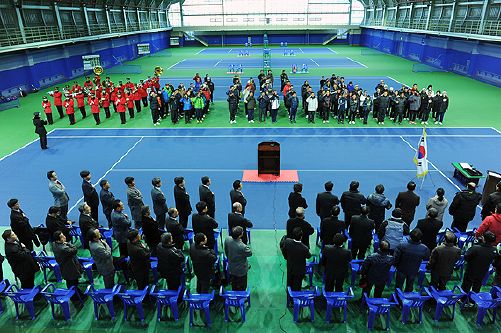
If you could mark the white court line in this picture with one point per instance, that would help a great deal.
(358, 62)
(177, 63)
(230, 50)
(109, 170)
(389, 77)
(217, 63)
(300, 49)
(332, 50)
(316, 63)
(26, 145)
(272, 136)
(495, 130)
(262, 128)
(240, 170)
(200, 51)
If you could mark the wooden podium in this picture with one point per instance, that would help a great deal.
(268, 158)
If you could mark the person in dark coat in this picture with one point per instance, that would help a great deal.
(90, 194)
(86, 223)
(182, 200)
(54, 222)
(478, 259)
(236, 195)
(492, 200)
(203, 223)
(159, 202)
(102, 254)
(352, 201)
(336, 261)
(107, 198)
(121, 226)
(175, 228)
(331, 226)
(430, 226)
(296, 253)
(66, 256)
(151, 231)
(299, 221)
(375, 270)
(20, 260)
(207, 196)
(442, 261)
(203, 259)
(408, 258)
(361, 229)
(326, 200)
(21, 226)
(40, 129)
(134, 201)
(170, 261)
(235, 218)
(464, 206)
(139, 256)
(378, 204)
(296, 200)
(407, 202)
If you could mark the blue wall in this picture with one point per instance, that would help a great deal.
(47, 66)
(476, 59)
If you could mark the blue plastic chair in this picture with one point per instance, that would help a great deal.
(445, 298)
(23, 296)
(107, 233)
(235, 299)
(133, 298)
(59, 296)
(101, 297)
(486, 301)
(411, 300)
(318, 239)
(87, 266)
(379, 306)
(189, 235)
(48, 263)
(337, 300)
(465, 238)
(76, 233)
(154, 268)
(356, 266)
(4, 284)
(167, 298)
(199, 302)
(310, 269)
(422, 273)
(302, 299)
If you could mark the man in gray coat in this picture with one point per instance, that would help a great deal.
(58, 191)
(237, 253)
(134, 201)
(66, 256)
(159, 202)
(121, 226)
(102, 255)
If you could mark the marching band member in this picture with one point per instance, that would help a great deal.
(105, 102)
(142, 88)
(120, 103)
(137, 99)
(69, 105)
(58, 101)
(93, 102)
(47, 109)
(79, 95)
(130, 103)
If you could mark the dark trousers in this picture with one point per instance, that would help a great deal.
(340, 116)
(347, 219)
(250, 114)
(97, 118)
(43, 141)
(94, 212)
(154, 115)
(174, 117)
(292, 114)
(203, 284)
(351, 115)
(50, 120)
(107, 112)
(471, 283)
(131, 112)
(60, 111)
(233, 112)
(173, 282)
(378, 290)
(440, 117)
(138, 105)
(141, 279)
(108, 218)
(78, 294)
(183, 219)
(109, 280)
(122, 248)
(365, 114)
(27, 280)
(238, 282)
(438, 281)
(294, 281)
(409, 281)
(461, 225)
(331, 282)
(311, 116)
(145, 101)
(358, 250)
(398, 115)
(63, 211)
(412, 115)
(381, 115)
(72, 118)
(187, 116)
(274, 113)
(82, 110)
(426, 115)
(262, 114)
(161, 220)
(122, 117)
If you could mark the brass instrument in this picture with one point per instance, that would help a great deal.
(159, 71)
(98, 70)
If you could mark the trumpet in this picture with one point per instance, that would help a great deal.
(98, 70)
(159, 71)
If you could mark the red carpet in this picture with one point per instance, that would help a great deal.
(286, 176)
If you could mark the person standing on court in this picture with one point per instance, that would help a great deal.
(182, 200)
(378, 203)
(90, 194)
(296, 200)
(407, 202)
(393, 230)
(299, 221)
(55, 222)
(375, 270)
(331, 226)
(134, 201)
(20, 224)
(463, 207)
(20, 259)
(352, 201)
(236, 219)
(121, 225)
(203, 223)
(103, 257)
(58, 101)
(492, 200)
(139, 262)
(86, 222)
(69, 106)
(40, 129)
(336, 260)
(170, 261)
(207, 196)
(203, 258)
(325, 201)
(159, 202)
(430, 226)
(438, 202)
(491, 223)
(47, 110)
(236, 195)
(65, 254)
(58, 191)
(107, 199)
(361, 228)
(296, 253)
(443, 258)
(175, 228)
(237, 253)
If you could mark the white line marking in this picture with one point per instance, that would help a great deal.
(271, 135)
(258, 128)
(26, 145)
(300, 49)
(241, 170)
(332, 50)
(358, 62)
(200, 51)
(316, 63)
(177, 63)
(230, 50)
(109, 170)
(389, 77)
(496, 130)
(217, 63)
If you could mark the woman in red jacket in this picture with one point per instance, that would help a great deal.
(120, 103)
(129, 98)
(93, 102)
(105, 102)
(79, 95)
(58, 101)
(47, 109)
(137, 99)
(69, 105)
(141, 88)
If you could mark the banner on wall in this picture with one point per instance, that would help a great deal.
(91, 61)
(143, 48)
(174, 41)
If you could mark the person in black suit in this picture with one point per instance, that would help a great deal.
(430, 226)
(478, 259)
(203, 259)
(325, 201)
(151, 231)
(40, 129)
(336, 260)
(352, 201)
(66, 256)
(21, 226)
(207, 196)
(331, 225)
(296, 253)
(182, 199)
(300, 222)
(407, 202)
(464, 206)
(237, 219)
(107, 200)
(361, 229)
(296, 200)
(90, 194)
(236, 195)
(54, 222)
(175, 228)
(170, 262)
(203, 223)
(159, 202)
(139, 256)
(20, 260)
(86, 223)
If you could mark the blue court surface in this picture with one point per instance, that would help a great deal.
(274, 51)
(369, 155)
(285, 62)
(222, 83)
